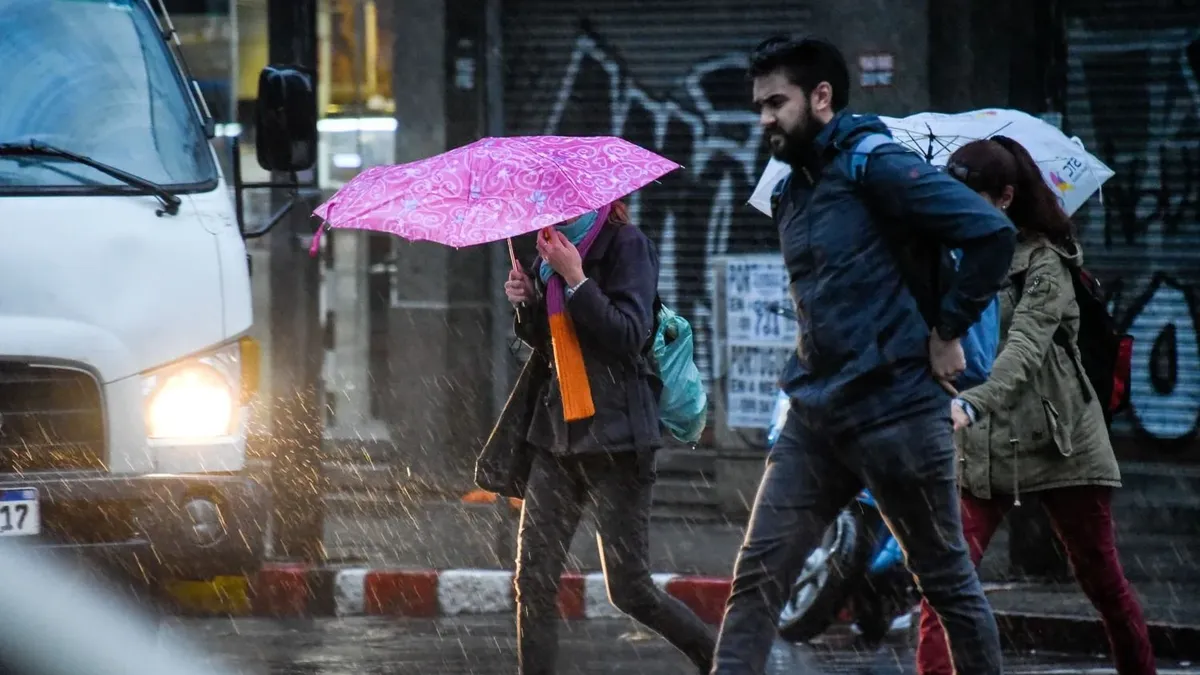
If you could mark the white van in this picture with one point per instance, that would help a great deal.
(125, 365)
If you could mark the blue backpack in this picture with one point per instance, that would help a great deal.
(683, 402)
(981, 342)
(927, 271)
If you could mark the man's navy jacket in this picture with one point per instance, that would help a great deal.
(862, 355)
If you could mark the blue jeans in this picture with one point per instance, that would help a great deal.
(909, 467)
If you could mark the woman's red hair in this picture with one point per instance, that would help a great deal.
(618, 214)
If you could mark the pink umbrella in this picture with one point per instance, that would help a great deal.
(494, 188)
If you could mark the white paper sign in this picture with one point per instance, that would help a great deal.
(758, 340)
(753, 286)
(752, 382)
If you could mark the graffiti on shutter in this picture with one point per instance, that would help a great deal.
(711, 132)
(1134, 99)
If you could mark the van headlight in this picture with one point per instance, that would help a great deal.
(200, 397)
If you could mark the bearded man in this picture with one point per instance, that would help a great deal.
(879, 332)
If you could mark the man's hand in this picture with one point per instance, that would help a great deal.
(519, 287)
(946, 358)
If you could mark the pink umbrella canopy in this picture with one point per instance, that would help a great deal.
(494, 189)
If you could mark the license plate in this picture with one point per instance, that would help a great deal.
(19, 513)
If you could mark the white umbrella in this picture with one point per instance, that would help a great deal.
(1069, 169)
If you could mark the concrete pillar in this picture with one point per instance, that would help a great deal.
(257, 212)
(348, 376)
(504, 365)
(440, 347)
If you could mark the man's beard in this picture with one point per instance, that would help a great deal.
(797, 149)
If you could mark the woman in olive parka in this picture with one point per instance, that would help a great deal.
(1030, 427)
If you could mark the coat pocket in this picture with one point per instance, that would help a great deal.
(1059, 435)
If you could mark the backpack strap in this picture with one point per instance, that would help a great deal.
(861, 153)
(1061, 338)
(928, 264)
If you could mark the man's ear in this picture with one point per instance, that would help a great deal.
(821, 98)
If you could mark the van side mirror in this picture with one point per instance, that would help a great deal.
(286, 119)
(285, 127)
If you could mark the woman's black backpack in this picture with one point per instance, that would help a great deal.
(1105, 351)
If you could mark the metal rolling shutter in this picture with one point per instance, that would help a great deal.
(1133, 98)
(670, 77)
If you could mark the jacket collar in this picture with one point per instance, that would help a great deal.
(826, 141)
(601, 243)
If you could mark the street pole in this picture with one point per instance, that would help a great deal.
(504, 544)
(297, 420)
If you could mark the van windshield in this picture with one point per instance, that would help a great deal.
(95, 77)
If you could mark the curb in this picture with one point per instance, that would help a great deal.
(293, 591)
(301, 591)
(1080, 635)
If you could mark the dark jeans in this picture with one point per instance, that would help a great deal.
(618, 486)
(1082, 519)
(909, 467)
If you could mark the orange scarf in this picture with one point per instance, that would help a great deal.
(573, 383)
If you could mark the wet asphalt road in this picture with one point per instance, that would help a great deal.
(485, 646)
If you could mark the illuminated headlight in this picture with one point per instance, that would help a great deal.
(198, 398)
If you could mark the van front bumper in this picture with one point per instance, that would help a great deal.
(154, 527)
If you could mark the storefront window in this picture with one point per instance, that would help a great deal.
(360, 56)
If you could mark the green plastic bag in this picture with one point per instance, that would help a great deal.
(683, 404)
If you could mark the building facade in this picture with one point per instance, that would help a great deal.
(419, 341)
(1120, 75)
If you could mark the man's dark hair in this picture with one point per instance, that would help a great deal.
(807, 63)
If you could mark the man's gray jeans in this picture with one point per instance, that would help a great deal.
(909, 467)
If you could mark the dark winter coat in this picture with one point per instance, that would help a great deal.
(613, 315)
(862, 354)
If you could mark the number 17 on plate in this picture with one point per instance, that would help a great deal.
(19, 513)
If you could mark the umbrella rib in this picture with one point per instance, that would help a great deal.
(1006, 125)
(924, 142)
(911, 137)
(944, 143)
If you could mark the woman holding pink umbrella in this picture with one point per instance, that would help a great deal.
(582, 423)
(587, 310)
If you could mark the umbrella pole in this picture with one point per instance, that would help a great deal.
(512, 256)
